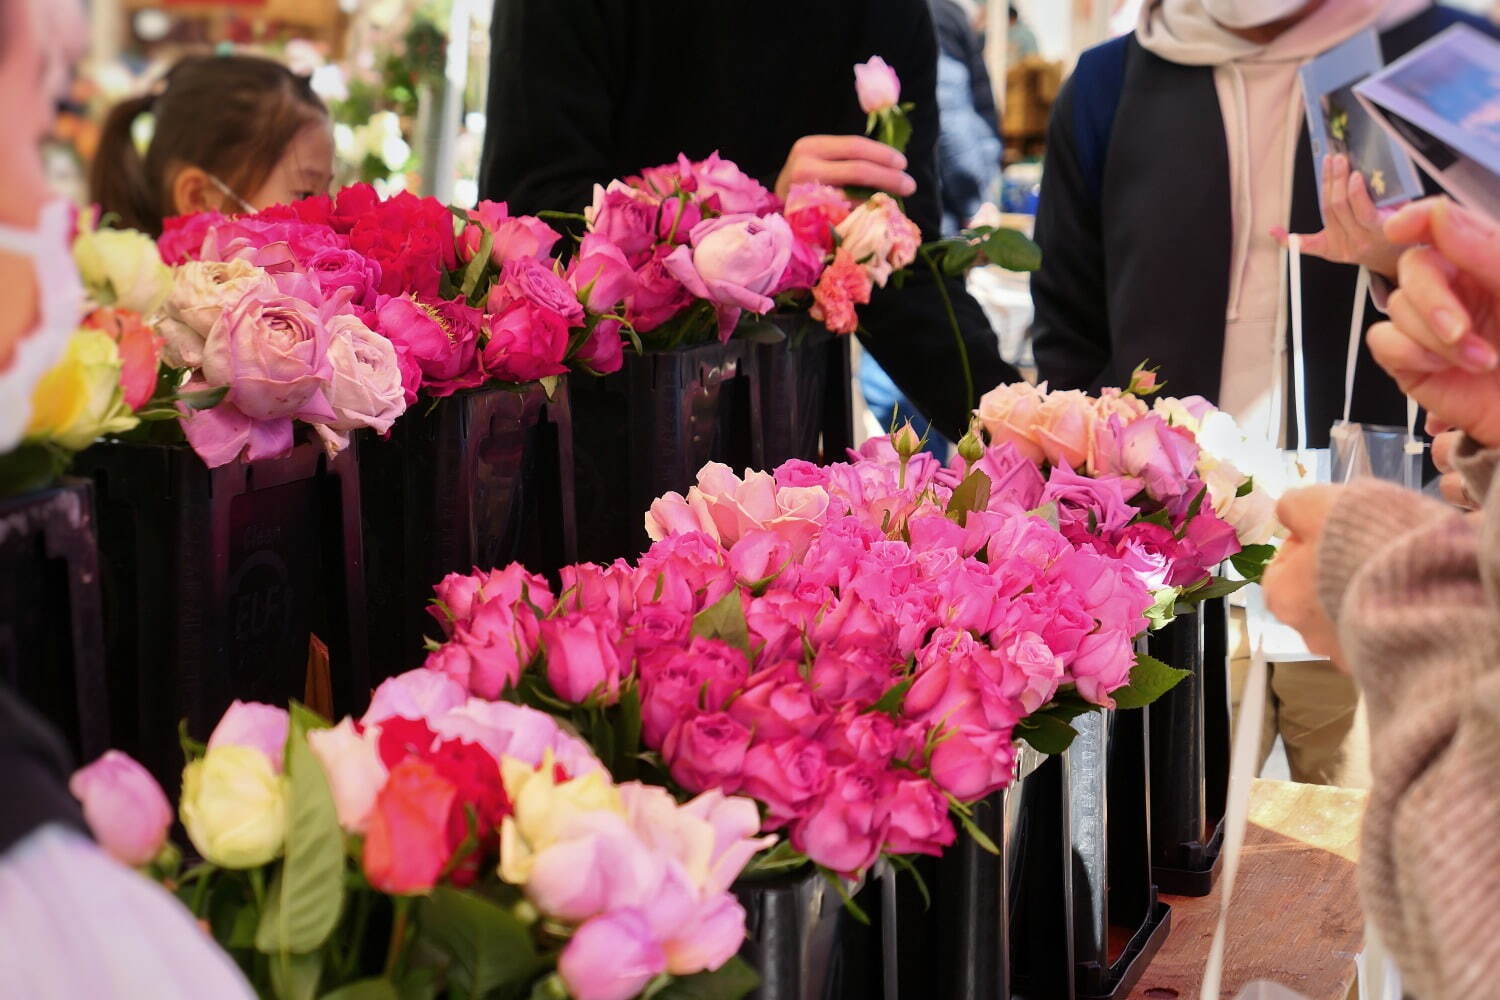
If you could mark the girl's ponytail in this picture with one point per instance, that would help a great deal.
(117, 178)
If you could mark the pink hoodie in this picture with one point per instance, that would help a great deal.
(1260, 96)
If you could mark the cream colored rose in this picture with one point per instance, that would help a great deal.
(201, 290)
(121, 268)
(546, 810)
(234, 806)
(355, 773)
(879, 237)
(1008, 413)
(366, 387)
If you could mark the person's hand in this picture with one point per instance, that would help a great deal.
(1353, 228)
(1291, 581)
(1450, 483)
(845, 161)
(1440, 343)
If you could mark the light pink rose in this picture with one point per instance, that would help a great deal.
(416, 694)
(271, 350)
(252, 724)
(878, 86)
(366, 389)
(1161, 456)
(594, 869)
(515, 237)
(880, 237)
(735, 821)
(351, 760)
(1033, 667)
(504, 729)
(735, 507)
(600, 274)
(1064, 428)
(1009, 414)
(126, 809)
(736, 262)
(737, 192)
(611, 957)
(709, 937)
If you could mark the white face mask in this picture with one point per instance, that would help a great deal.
(1251, 13)
(59, 307)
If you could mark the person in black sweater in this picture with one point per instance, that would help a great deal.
(584, 91)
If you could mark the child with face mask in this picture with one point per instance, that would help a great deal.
(230, 133)
(73, 921)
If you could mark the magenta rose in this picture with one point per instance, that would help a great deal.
(514, 237)
(1103, 663)
(777, 704)
(736, 262)
(582, 661)
(497, 647)
(854, 674)
(1013, 477)
(737, 191)
(788, 776)
(536, 282)
(1090, 506)
(441, 337)
(336, 268)
(676, 683)
(971, 763)
(527, 342)
(604, 590)
(917, 818)
(658, 296)
(126, 810)
(603, 353)
(707, 751)
(600, 275)
(845, 827)
(625, 218)
(658, 626)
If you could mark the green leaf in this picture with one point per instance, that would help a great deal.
(898, 129)
(903, 863)
(1047, 512)
(854, 908)
(303, 720)
(725, 619)
(191, 749)
(365, 989)
(758, 330)
(476, 267)
(628, 734)
(731, 981)
(295, 977)
(303, 905)
(204, 399)
(1251, 561)
(980, 837)
(1149, 680)
(1217, 587)
(1046, 733)
(1246, 488)
(781, 858)
(972, 494)
(550, 384)
(890, 702)
(489, 947)
(1012, 250)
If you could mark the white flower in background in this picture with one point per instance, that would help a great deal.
(1227, 456)
(329, 83)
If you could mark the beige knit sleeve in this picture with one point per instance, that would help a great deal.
(1411, 584)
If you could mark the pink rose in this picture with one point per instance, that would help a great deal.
(1110, 593)
(658, 296)
(251, 724)
(457, 597)
(777, 704)
(736, 263)
(611, 957)
(441, 337)
(504, 729)
(1161, 456)
(416, 694)
(271, 350)
(1032, 667)
(336, 268)
(582, 661)
(625, 218)
(707, 751)
(600, 274)
(495, 647)
(737, 192)
(1014, 478)
(859, 674)
(1150, 552)
(971, 763)
(880, 237)
(351, 760)
(1090, 505)
(366, 389)
(127, 811)
(1009, 414)
(709, 938)
(788, 776)
(700, 677)
(536, 282)
(514, 237)
(759, 555)
(813, 210)
(845, 828)
(1103, 663)
(961, 682)
(878, 86)
(526, 342)
(917, 817)
(842, 286)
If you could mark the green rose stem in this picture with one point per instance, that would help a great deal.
(398, 936)
(258, 886)
(958, 334)
(350, 964)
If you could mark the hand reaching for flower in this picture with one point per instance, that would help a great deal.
(847, 161)
(1291, 581)
(1352, 225)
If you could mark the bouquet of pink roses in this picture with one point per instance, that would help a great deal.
(856, 647)
(478, 842)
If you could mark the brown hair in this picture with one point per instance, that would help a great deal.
(230, 115)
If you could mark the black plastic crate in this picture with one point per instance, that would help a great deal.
(51, 640)
(647, 430)
(481, 479)
(1190, 752)
(796, 929)
(214, 580)
(806, 394)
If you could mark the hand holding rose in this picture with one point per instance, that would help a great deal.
(845, 161)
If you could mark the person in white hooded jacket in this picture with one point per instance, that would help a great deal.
(1177, 160)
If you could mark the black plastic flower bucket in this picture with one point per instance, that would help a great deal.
(1190, 752)
(214, 582)
(806, 394)
(647, 430)
(480, 479)
(51, 642)
(795, 933)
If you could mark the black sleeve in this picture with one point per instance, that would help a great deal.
(907, 329)
(550, 106)
(1072, 318)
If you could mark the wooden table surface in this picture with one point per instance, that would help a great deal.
(1296, 916)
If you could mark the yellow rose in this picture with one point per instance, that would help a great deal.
(80, 399)
(545, 811)
(122, 268)
(234, 806)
